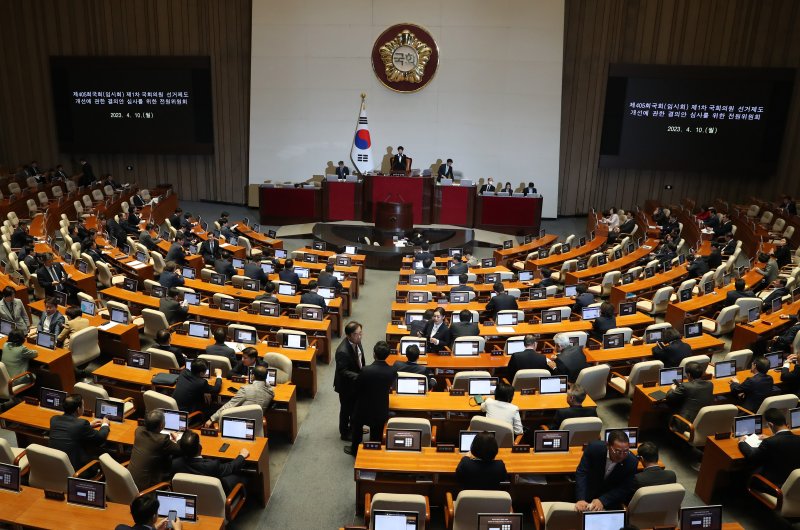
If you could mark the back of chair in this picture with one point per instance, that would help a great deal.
(401, 502)
(711, 420)
(594, 379)
(560, 516)
(528, 378)
(250, 412)
(504, 432)
(656, 506)
(162, 359)
(746, 304)
(470, 338)
(6, 454)
(282, 363)
(217, 361)
(209, 489)
(49, 468)
(582, 336)
(661, 299)
(422, 424)
(85, 346)
(702, 360)
(461, 379)
(642, 372)
(743, 358)
(156, 400)
(726, 320)
(154, 321)
(470, 503)
(582, 430)
(120, 486)
(791, 495)
(90, 394)
(627, 333)
(783, 402)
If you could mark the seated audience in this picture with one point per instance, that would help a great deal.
(528, 359)
(410, 365)
(692, 395)
(739, 291)
(652, 474)
(152, 452)
(606, 321)
(16, 356)
(501, 301)
(192, 461)
(479, 470)
(74, 435)
(220, 348)
(75, 322)
(463, 326)
(500, 407)
(192, 386)
(777, 455)
(576, 395)
(569, 359)
(144, 510)
(671, 350)
(173, 308)
(164, 342)
(170, 276)
(753, 390)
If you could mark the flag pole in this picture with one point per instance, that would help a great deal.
(358, 118)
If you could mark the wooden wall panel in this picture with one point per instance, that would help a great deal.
(36, 29)
(749, 33)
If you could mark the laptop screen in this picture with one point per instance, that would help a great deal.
(452, 279)
(302, 272)
(183, 504)
(667, 376)
(393, 520)
(603, 520)
(188, 273)
(550, 441)
(269, 309)
(753, 314)
(46, 340)
(158, 291)
(175, 420)
(280, 253)
(403, 440)
(459, 297)
(129, 284)
(626, 308)
(551, 316)
(191, 298)
(328, 293)
(570, 290)
(82, 266)
(217, 279)
(6, 326)
(267, 268)
(794, 418)
(107, 408)
(724, 369)
(613, 340)
(413, 386)
(492, 278)
(418, 279)
(701, 518)
(287, 289)
(311, 313)
(244, 336)
(465, 348)
(515, 345)
(525, 276)
(350, 249)
(250, 285)
(51, 398)
(86, 492)
(237, 263)
(685, 295)
(9, 477)
(556, 384)
(482, 386)
(139, 359)
(632, 432)
(776, 305)
(590, 313)
(651, 336)
(229, 304)
(293, 340)
(537, 293)
(87, 307)
(775, 359)
(465, 439)
(422, 344)
(238, 428)
(746, 425)
(119, 316)
(499, 521)
(691, 330)
(201, 331)
(506, 319)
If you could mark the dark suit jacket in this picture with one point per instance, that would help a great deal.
(601, 325)
(526, 360)
(475, 474)
(170, 279)
(347, 367)
(189, 391)
(116, 230)
(732, 296)
(56, 324)
(19, 238)
(463, 329)
(487, 188)
(342, 172)
(723, 229)
(654, 476)
(290, 277)
(501, 302)
(206, 251)
(777, 456)
(326, 279)
(71, 434)
(571, 412)
(459, 268)
(223, 266)
(755, 388)
(414, 368)
(399, 162)
(672, 353)
(460, 288)
(791, 378)
(313, 298)
(628, 226)
(422, 256)
(570, 362)
(442, 334)
(445, 171)
(698, 267)
(223, 351)
(528, 191)
(172, 310)
(176, 254)
(151, 457)
(137, 200)
(591, 483)
(174, 350)
(372, 388)
(254, 271)
(46, 279)
(689, 397)
(147, 240)
(210, 467)
(779, 292)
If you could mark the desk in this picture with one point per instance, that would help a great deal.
(31, 424)
(53, 368)
(554, 261)
(509, 215)
(618, 264)
(454, 205)
(280, 206)
(416, 190)
(84, 282)
(342, 201)
(620, 293)
(503, 256)
(645, 351)
(719, 458)
(474, 270)
(767, 325)
(257, 238)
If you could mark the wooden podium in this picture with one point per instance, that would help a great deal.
(416, 191)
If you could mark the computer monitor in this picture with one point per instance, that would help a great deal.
(701, 518)
(237, 263)
(412, 317)
(46, 340)
(411, 386)
(119, 316)
(61, 298)
(86, 492)
(556, 384)
(129, 284)
(82, 266)
(651, 336)
(466, 348)
(139, 359)
(233, 240)
(350, 249)
(551, 316)
(607, 520)
(795, 294)
(506, 319)
(217, 279)
(301, 272)
(280, 253)
(543, 253)
(481, 386)
(459, 297)
(394, 520)
(590, 313)
(417, 298)
(627, 308)
(692, 329)
(189, 273)
(269, 309)
(184, 504)
(191, 298)
(229, 304)
(328, 293)
(776, 305)
(666, 266)
(175, 420)
(581, 241)
(681, 259)
(50, 398)
(685, 295)
(775, 359)
(537, 293)
(602, 260)
(9, 477)
(111, 241)
(631, 432)
(125, 248)
(453, 279)
(499, 521)
(747, 425)
(418, 279)
(550, 441)
(493, 277)
(6, 326)
(649, 272)
(245, 336)
(318, 245)
(158, 291)
(488, 263)
(286, 289)
(108, 408)
(668, 376)
(453, 251)
(613, 340)
(465, 439)
(268, 268)
(630, 248)
(515, 345)
(339, 275)
(571, 290)
(238, 428)
(724, 369)
(794, 418)
(141, 257)
(582, 265)
(565, 247)
(525, 276)
(199, 330)
(193, 249)
(708, 287)
(753, 313)
(403, 440)
(294, 341)
(311, 313)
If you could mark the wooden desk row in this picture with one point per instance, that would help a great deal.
(621, 293)
(768, 325)
(504, 256)
(556, 260)
(618, 264)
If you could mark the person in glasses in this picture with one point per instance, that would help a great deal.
(605, 476)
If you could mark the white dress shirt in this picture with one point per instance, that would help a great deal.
(500, 410)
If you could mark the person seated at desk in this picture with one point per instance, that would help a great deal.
(223, 266)
(779, 291)
(427, 267)
(659, 216)
(51, 320)
(173, 308)
(437, 332)
(489, 187)
(225, 229)
(288, 275)
(783, 255)
(610, 218)
(652, 474)
(500, 407)
(117, 231)
(666, 252)
(739, 291)
(462, 286)
(692, 395)
(417, 327)
(372, 387)
(528, 359)
(130, 223)
(192, 386)
(191, 461)
(728, 245)
(146, 238)
(790, 373)
(424, 253)
(13, 309)
(51, 275)
(20, 237)
(170, 277)
(671, 227)
(783, 342)
(583, 298)
(210, 250)
(16, 356)
(756, 388)
(326, 278)
(399, 160)
(714, 258)
(605, 476)
(410, 365)
(606, 321)
(137, 199)
(249, 358)
(445, 170)
(507, 190)
(547, 279)
(569, 359)
(152, 451)
(459, 267)
(671, 350)
(342, 171)
(75, 322)
(725, 226)
(479, 470)
(696, 266)
(768, 270)
(311, 296)
(163, 342)
(464, 326)
(268, 295)
(777, 455)
(253, 270)
(176, 252)
(788, 205)
(576, 395)
(530, 189)
(144, 510)
(501, 301)
(72, 434)
(220, 348)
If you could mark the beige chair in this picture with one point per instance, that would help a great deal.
(469, 338)
(520, 314)
(249, 251)
(10, 387)
(281, 332)
(743, 358)
(610, 279)
(120, 487)
(593, 379)
(555, 515)
(136, 321)
(49, 468)
(106, 277)
(13, 455)
(702, 360)
(503, 431)
(627, 333)
(658, 305)
(560, 275)
(461, 379)
(215, 503)
(217, 362)
(156, 400)
(582, 336)
(528, 378)
(745, 305)
(421, 424)
(91, 393)
(566, 311)
(282, 363)
(723, 324)
(782, 402)
(641, 372)
(158, 262)
(250, 412)
(402, 502)
(582, 430)
(463, 513)
(85, 346)
(154, 321)
(784, 498)
(686, 284)
(162, 359)
(709, 421)
(656, 506)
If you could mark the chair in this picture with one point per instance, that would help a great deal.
(641, 372)
(120, 487)
(162, 359)
(766, 217)
(593, 380)
(112, 304)
(105, 277)
(723, 324)
(743, 358)
(582, 336)
(156, 400)
(49, 468)
(503, 431)
(745, 305)
(215, 502)
(158, 262)
(656, 506)
(85, 346)
(398, 502)
(469, 338)
(250, 412)
(702, 360)
(610, 279)
(528, 378)
(582, 430)
(686, 284)
(217, 362)
(709, 421)
(13, 455)
(753, 210)
(249, 251)
(555, 515)
(463, 513)
(154, 321)
(784, 499)
(422, 424)
(658, 304)
(627, 333)
(32, 208)
(108, 190)
(91, 393)
(282, 363)
(569, 265)
(782, 402)
(10, 387)
(461, 379)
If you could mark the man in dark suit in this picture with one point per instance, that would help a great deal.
(249, 358)
(51, 320)
(652, 474)
(462, 284)
(725, 227)
(137, 200)
(459, 267)
(417, 327)
(220, 348)
(784, 340)
(489, 187)
(20, 237)
(778, 292)
(753, 390)
(689, 397)
(788, 205)
(583, 298)
(176, 218)
(410, 365)
(779, 454)
(500, 301)
(253, 270)
(570, 360)
(170, 277)
(671, 350)
(530, 189)
(427, 267)
(173, 309)
(152, 451)
(71, 433)
(437, 332)
(349, 358)
(528, 359)
(60, 173)
(547, 279)
(312, 297)
(327, 279)
(176, 252)
(372, 388)
(288, 275)
(604, 322)
(191, 461)
(729, 245)
(144, 510)
(210, 250)
(164, 342)
(575, 398)
(146, 239)
(117, 231)
(130, 223)
(51, 275)
(399, 160)
(268, 295)
(192, 386)
(696, 266)
(464, 326)
(424, 253)
(605, 476)
(445, 170)
(740, 291)
(87, 174)
(342, 171)
(224, 266)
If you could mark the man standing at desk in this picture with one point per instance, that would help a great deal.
(399, 161)
(372, 388)
(605, 476)
(349, 362)
(445, 171)
(342, 171)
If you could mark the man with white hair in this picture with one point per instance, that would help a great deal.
(570, 359)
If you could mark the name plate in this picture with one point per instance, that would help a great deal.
(445, 448)
(527, 391)
(238, 378)
(209, 432)
(117, 360)
(372, 446)
(54, 495)
(459, 392)
(496, 353)
(521, 448)
(31, 401)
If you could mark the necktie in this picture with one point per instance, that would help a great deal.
(358, 357)
(53, 274)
